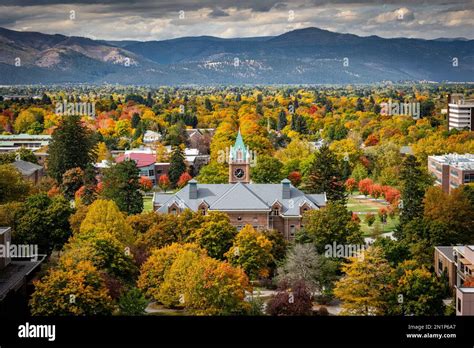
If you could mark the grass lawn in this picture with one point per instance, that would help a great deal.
(366, 205)
(147, 203)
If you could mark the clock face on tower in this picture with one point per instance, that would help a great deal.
(239, 173)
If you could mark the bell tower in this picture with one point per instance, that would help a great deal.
(239, 162)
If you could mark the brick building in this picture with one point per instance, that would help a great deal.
(458, 264)
(263, 206)
(451, 170)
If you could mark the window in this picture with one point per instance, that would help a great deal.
(239, 218)
(174, 211)
(255, 219)
(468, 178)
(292, 230)
(459, 304)
(440, 266)
(454, 172)
(203, 211)
(151, 172)
(275, 211)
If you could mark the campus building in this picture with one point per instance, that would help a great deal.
(460, 112)
(263, 206)
(14, 142)
(457, 262)
(451, 170)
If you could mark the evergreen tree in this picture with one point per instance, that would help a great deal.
(135, 120)
(71, 146)
(360, 105)
(207, 104)
(177, 165)
(282, 120)
(121, 184)
(90, 186)
(414, 183)
(325, 175)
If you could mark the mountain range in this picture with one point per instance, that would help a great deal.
(304, 56)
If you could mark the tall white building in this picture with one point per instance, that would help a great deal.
(460, 112)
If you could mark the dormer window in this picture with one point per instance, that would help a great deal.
(276, 211)
(203, 211)
(174, 211)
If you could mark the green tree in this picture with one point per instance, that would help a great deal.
(267, 170)
(72, 145)
(359, 172)
(121, 184)
(177, 165)
(12, 185)
(43, 221)
(325, 175)
(132, 302)
(332, 224)
(414, 183)
(213, 173)
(90, 186)
(421, 291)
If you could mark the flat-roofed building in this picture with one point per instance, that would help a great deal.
(14, 142)
(452, 170)
(460, 112)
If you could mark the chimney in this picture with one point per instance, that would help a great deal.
(193, 189)
(285, 186)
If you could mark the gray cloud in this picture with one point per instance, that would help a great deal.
(152, 20)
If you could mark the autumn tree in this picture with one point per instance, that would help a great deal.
(73, 179)
(132, 302)
(164, 182)
(12, 185)
(183, 179)
(251, 250)
(292, 298)
(121, 184)
(421, 291)
(365, 287)
(71, 289)
(215, 234)
(104, 216)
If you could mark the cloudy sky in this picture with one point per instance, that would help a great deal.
(165, 19)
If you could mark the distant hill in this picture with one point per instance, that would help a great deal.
(305, 56)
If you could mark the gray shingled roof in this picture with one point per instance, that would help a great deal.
(241, 197)
(447, 251)
(26, 168)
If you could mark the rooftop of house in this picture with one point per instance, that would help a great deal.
(25, 136)
(26, 168)
(240, 197)
(141, 159)
(446, 251)
(459, 161)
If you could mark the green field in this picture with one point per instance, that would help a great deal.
(147, 203)
(366, 205)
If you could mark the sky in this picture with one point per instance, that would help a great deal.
(166, 19)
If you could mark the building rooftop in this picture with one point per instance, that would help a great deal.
(459, 161)
(13, 275)
(26, 168)
(25, 136)
(240, 197)
(141, 159)
(447, 252)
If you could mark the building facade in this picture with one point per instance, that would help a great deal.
(460, 112)
(263, 206)
(458, 264)
(452, 170)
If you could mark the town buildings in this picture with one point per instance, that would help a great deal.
(263, 206)
(460, 112)
(457, 262)
(452, 170)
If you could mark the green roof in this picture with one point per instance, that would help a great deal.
(239, 145)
